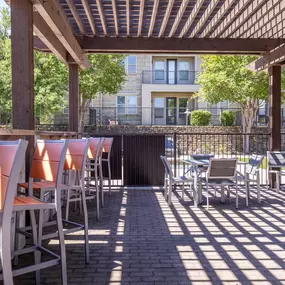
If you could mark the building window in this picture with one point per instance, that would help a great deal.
(127, 104)
(131, 64)
(65, 110)
(183, 67)
(159, 69)
(182, 107)
(158, 107)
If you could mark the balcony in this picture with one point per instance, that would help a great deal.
(183, 77)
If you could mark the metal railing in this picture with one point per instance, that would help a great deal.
(169, 77)
(102, 116)
(142, 153)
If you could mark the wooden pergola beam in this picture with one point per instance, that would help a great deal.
(76, 16)
(89, 16)
(115, 17)
(274, 124)
(128, 16)
(102, 17)
(165, 18)
(275, 57)
(232, 16)
(179, 15)
(177, 45)
(141, 18)
(47, 36)
(153, 17)
(55, 18)
(220, 14)
(204, 18)
(191, 18)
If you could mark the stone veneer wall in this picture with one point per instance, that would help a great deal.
(208, 139)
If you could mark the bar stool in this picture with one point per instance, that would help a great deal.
(75, 164)
(12, 157)
(106, 157)
(94, 165)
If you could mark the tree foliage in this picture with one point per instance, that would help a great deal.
(106, 76)
(227, 78)
(50, 77)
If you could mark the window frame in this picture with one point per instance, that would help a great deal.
(127, 65)
(126, 105)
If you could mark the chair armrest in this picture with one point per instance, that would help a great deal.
(242, 162)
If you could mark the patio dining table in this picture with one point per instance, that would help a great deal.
(197, 164)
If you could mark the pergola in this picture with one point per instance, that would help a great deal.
(72, 28)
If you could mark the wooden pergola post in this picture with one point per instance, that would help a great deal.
(274, 124)
(23, 71)
(73, 97)
(22, 64)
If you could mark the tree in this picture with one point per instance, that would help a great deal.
(50, 77)
(106, 76)
(227, 78)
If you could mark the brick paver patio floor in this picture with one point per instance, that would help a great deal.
(141, 240)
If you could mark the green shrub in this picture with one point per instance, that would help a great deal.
(227, 118)
(200, 118)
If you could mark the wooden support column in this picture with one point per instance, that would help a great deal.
(73, 97)
(274, 106)
(22, 64)
(23, 71)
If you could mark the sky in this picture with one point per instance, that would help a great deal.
(3, 4)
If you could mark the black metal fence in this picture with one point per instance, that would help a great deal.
(136, 161)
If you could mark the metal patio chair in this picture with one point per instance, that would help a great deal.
(106, 158)
(221, 172)
(94, 170)
(170, 181)
(275, 163)
(252, 174)
(45, 166)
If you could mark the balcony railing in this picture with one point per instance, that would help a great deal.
(156, 116)
(169, 77)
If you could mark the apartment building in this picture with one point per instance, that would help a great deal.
(158, 90)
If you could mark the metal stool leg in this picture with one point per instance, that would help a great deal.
(85, 213)
(109, 176)
(101, 184)
(5, 237)
(61, 239)
(37, 254)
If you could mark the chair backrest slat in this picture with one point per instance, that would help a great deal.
(12, 157)
(167, 167)
(254, 163)
(95, 147)
(108, 144)
(222, 168)
(47, 156)
(76, 154)
(276, 158)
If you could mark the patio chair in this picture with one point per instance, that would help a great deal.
(252, 174)
(106, 158)
(94, 168)
(47, 165)
(221, 172)
(275, 163)
(171, 181)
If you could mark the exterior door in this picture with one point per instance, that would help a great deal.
(171, 71)
(171, 111)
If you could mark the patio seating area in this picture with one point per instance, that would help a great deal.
(140, 239)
